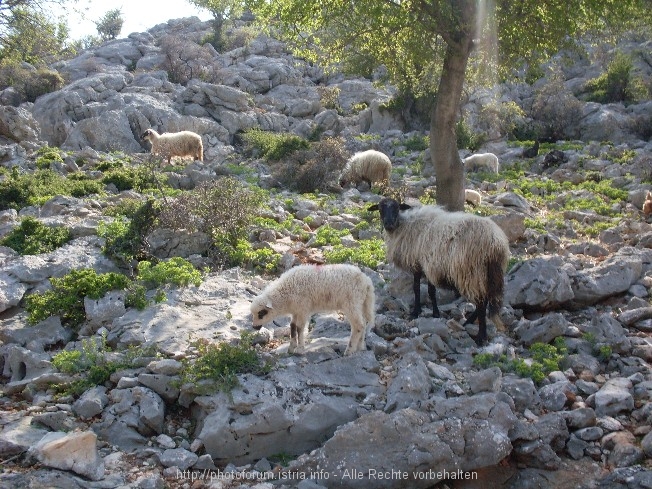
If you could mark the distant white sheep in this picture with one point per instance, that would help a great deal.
(481, 161)
(453, 249)
(169, 144)
(308, 289)
(473, 197)
(366, 166)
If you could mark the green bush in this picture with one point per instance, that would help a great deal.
(132, 178)
(272, 145)
(47, 155)
(29, 83)
(224, 209)
(124, 237)
(175, 271)
(220, 363)
(466, 138)
(616, 84)
(20, 191)
(261, 259)
(66, 298)
(32, 237)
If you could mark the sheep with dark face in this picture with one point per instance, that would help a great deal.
(308, 289)
(452, 249)
(169, 144)
(366, 166)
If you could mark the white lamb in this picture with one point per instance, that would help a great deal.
(453, 249)
(481, 161)
(169, 144)
(473, 197)
(366, 166)
(308, 289)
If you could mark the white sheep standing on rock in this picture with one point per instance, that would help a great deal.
(366, 166)
(169, 144)
(453, 250)
(308, 289)
(481, 160)
(473, 197)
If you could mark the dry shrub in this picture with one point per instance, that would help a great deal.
(185, 60)
(556, 110)
(314, 168)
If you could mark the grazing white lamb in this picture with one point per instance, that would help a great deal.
(473, 197)
(453, 249)
(308, 289)
(169, 144)
(366, 166)
(481, 161)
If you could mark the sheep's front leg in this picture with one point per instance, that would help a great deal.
(297, 339)
(416, 288)
(432, 292)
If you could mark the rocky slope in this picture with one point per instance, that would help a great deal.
(415, 408)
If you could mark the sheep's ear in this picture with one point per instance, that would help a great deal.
(373, 207)
(404, 207)
(268, 305)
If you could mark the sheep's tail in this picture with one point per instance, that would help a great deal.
(496, 286)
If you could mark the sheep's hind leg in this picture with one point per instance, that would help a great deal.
(432, 293)
(416, 288)
(481, 314)
(293, 337)
(357, 338)
(299, 337)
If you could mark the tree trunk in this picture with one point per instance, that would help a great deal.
(448, 166)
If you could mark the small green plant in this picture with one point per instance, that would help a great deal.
(326, 235)
(66, 298)
(370, 253)
(417, 143)
(174, 271)
(274, 146)
(32, 237)
(47, 155)
(221, 363)
(466, 138)
(92, 364)
(261, 259)
(132, 178)
(544, 358)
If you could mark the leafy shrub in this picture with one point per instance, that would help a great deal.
(273, 145)
(47, 155)
(125, 238)
(313, 169)
(220, 363)
(260, 259)
(32, 237)
(326, 235)
(30, 83)
(175, 271)
(133, 178)
(223, 209)
(417, 143)
(466, 138)
(66, 298)
(19, 191)
(616, 84)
